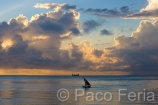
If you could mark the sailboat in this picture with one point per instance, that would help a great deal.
(87, 84)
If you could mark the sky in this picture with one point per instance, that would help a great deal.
(63, 37)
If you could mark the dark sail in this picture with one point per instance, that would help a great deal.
(86, 82)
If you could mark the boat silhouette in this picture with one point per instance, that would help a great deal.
(87, 84)
(75, 74)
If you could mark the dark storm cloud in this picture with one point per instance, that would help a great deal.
(75, 31)
(54, 26)
(14, 27)
(67, 19)
(105, 32)
(19, 46)
(21, 56)
(90, 25)
(141, 62)
(51, 27)
(45, 53)
(97, 52)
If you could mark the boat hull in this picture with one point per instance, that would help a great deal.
(86, 86)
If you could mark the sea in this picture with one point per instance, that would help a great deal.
(68, 90)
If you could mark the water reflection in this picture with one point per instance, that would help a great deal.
(43, 90)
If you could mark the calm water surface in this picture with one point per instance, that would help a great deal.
(42, 90)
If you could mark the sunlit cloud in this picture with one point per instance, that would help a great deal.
(55, 6)
(7, 43)
(36, 44)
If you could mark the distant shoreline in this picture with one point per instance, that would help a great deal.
(85, 75)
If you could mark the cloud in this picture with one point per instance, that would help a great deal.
(36, 44)
(20, 55)
(19, 46)
(124, 9)
(150, 11)
(108, 13)
(90, 25)
(14, 26)
(152, 5)
(143, 15)
(75, 31)
(105, 32)
(52, 25)
(139, 51)
(136, 54)
(55, 6)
